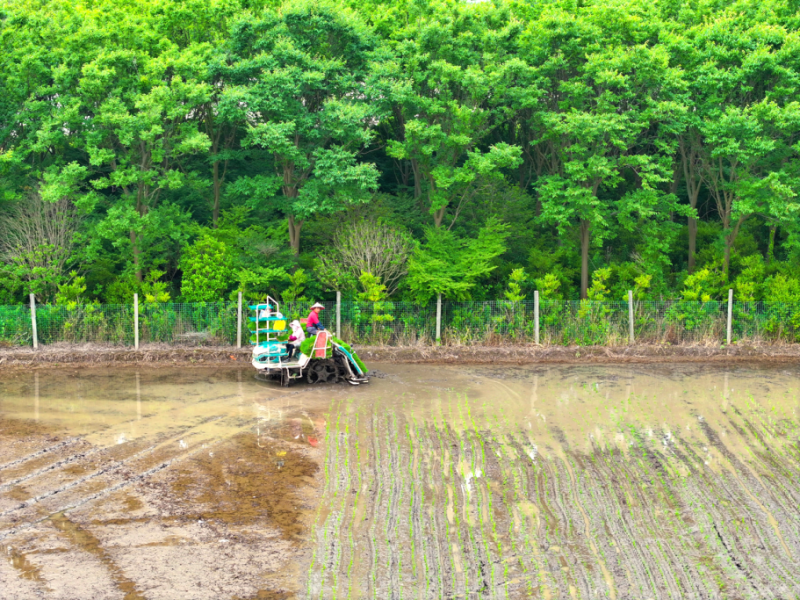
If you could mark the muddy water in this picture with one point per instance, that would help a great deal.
(431, 482)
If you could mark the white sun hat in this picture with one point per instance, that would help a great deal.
(318, 305)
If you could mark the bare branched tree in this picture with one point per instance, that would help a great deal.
(366, 246)
(37, 239)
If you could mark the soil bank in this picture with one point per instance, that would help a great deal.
(155, 355)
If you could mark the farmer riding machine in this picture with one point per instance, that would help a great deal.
(321, 358)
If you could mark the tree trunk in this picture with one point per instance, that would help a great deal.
(295, 225)
(727, 261)
(689, 159)
(417, 180)
(217, 186)
(438, 217)
(585, 238)
(136, 252)
(290, 190)
(730, 238)
(771, 248)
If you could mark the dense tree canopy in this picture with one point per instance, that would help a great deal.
(203, 147)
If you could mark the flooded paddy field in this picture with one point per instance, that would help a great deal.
(430, 482)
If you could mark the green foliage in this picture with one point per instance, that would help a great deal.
(297, 283)
(71, 294)
(200, 139)
(10, 288)
(641, 285)
(780, 288)
(549, 287)
(750, 282)
(374, 292)
(373, 289)
(514, 291)
(153, 289)
(705, 285)
(451, 266)
(256, 283)
(207, 270)
(599, 291)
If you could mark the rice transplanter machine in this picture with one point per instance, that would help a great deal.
(325, 360)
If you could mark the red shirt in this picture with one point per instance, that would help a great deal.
(313, 319)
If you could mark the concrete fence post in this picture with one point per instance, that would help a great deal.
(438, 318)
(33, 322)
(136, 321)
(730, 315)
(630, 316)
(536, 317)
(239, 322)
(339, 315)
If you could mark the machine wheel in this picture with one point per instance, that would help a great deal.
(322, 371)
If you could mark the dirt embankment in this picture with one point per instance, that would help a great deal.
(165, 355)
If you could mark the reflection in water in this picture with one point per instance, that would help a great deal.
(558, 482)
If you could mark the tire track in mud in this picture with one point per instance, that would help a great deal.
(453, 509)
(161, 439)
(40, 453)
(55, 465)
(118, 470)
(112, 466)
(129, 444)
(141, 422)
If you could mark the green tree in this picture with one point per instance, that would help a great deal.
(305, 107)
(451, 266)
(439, 83)
(740, 135)
(207, 270)
(605, 92)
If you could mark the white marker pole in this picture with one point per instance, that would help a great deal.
(338, 314)
(239, 323)
(630, 316)
(136, 321)
(536, 317)
(33, 322)
(730, 314)
(438, 319)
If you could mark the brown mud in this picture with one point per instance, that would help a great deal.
(189, 483)
(484, 481)
(165, 355)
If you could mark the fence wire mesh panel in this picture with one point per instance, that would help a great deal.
(766, 320)
(97, 323)
(679, 321)
(198, 324)
(15, 326)
(71, 323)
(374, 323)
(565, 322)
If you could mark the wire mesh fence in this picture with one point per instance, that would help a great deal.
(404, 323)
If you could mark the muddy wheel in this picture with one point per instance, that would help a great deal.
(285, 379)
(322, 371)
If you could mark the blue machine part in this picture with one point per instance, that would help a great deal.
(271, 352)
(350, 358)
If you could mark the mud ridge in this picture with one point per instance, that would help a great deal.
(163, 355)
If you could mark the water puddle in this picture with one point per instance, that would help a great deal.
(25, 568)
(557, 482)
